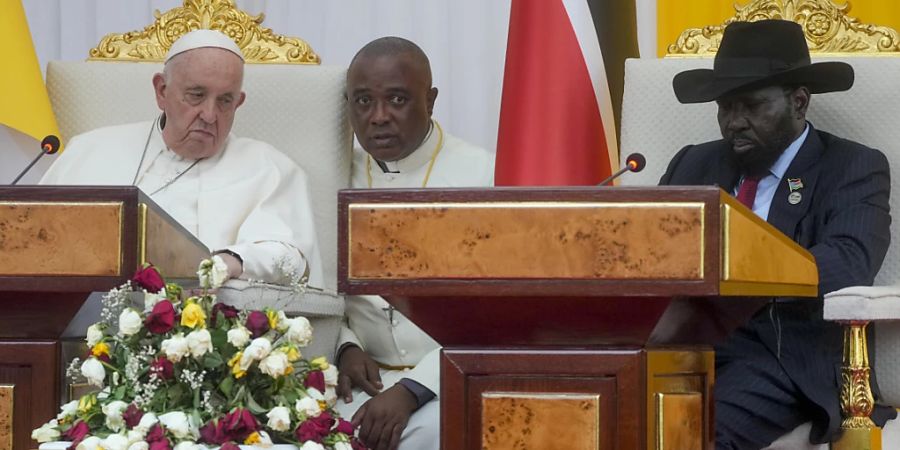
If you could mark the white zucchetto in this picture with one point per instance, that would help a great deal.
(203, 38)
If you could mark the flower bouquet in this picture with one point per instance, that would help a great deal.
(182, 372)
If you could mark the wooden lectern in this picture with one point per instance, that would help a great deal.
(576, 318)
(57, 245)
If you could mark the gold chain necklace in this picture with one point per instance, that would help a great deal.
(434, 154)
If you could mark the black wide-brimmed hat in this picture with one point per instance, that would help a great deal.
(758, 54)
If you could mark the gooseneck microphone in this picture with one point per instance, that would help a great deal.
(635, 162)
(49, 146)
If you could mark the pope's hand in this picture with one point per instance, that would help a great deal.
(357, 369)
(382, 419)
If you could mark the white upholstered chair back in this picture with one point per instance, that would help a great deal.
(655, 124)
(300, 109)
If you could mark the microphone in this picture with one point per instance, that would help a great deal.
(49, 146)
(635, 162)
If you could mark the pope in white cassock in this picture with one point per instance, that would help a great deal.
(242, 198)
(389, 368)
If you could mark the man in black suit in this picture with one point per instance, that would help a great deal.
(828, 194)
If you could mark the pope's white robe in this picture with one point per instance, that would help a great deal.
(249, 198)
(386, 335)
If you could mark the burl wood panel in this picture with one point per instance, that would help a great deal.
(7, 404)
(748, 241)
(614, 377)
(679, 421)
(48, 238)
(547, 240)
(680, 399)
(515, 421)
(170, 247)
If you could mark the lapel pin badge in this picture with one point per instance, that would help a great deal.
(795, 184)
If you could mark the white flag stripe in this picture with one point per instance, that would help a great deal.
(583, 23)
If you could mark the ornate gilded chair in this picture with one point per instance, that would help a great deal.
(292, 103)
(868, 113)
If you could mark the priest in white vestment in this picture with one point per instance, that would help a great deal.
(246, 201)
(389, 367)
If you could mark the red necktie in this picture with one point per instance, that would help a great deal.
(747, 192)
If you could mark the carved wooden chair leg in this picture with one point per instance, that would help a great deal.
(856, 393)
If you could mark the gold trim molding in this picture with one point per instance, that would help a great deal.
(828, 28)
(259, 44)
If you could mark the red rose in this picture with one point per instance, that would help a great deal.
(213, 433)
(163, 368)
(162, 444)
(315, 379)
(229, 446)
(132, 415)
(156, 433)
(239, 424)
(315, 428)
(77, 432)
(229, 312)
(257, 324)
(344, 427)
(324, 420)
(149, 279)
(162, 318)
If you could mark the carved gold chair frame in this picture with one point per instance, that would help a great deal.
(259, 44)
(830, 31)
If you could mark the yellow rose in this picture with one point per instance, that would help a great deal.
(273, 319)
(321, 363)
(235, 366)
(293, 354)
(100, 349)
(192, 315)
(86, 402)
(252, 439)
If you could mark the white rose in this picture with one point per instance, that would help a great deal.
(68, 410)
(139, 445)
(129, 322)
(275, 365)
(146, 423)
(89, 443)
(331, 375)
(186, 445)
(177, 423)
(279, 418)
(47, 432)
(264, 440)
(238, 336)
(93, 370)
(115, 442)
(135, 435)
(94, 334)
(175, 348)
(308, 406)
(299, 331)
(315, 394)
(311, 445)
(258, 349)
(338, 446)
(113, 412)
(330, 396)
(199, 342)
(212, 272)
(152, 298)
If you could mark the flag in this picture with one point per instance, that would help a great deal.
(25, 105)
(557, 120)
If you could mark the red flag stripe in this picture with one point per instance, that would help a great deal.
(551, 131)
